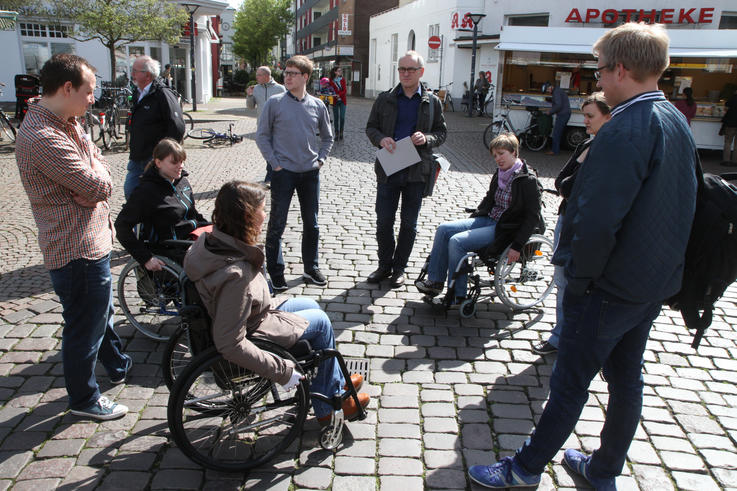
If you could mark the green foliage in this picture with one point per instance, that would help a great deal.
(259, 24)
(116, 23)
(240, 76)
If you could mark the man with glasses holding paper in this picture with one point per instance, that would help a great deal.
(403, 112)
(287, 136)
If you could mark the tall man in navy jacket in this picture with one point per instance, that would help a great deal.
(622, 245)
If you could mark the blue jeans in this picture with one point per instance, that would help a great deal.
(561, 120)
(338, 117)
(135, 169)
(329, 379)
(560, 281)
(452, 241)
(283, 185)
(598, 331)
(85, 288)
(394, 256)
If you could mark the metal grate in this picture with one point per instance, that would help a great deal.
(358, 365)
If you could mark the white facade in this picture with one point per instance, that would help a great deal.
(26, 48)
(570, 30)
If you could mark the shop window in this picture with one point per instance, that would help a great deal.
(57, 31)
(35, 54)
(42, 30)
(433, 55)
(528, 20)
(728, 21)
(316, 15)
(155, 53)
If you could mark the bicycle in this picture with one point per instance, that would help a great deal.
(447, 99)
(114, 99)
(7, 127)
(213, 139)
(531, 135)
(487, 109)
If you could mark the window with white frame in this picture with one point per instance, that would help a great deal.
(39, 42)
(433, 55)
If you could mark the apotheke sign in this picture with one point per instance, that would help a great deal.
(667, 16)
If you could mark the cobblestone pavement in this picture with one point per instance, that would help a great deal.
(447, 393)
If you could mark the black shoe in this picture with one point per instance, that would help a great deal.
(378, 275)
(544, 348)
(278, 283)
(397, 279)
(315, 277)
(429, 288)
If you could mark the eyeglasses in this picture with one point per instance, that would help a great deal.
(408, 69)
(599, 69)
(291, 74)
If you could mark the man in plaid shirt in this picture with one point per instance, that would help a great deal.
(68, 185)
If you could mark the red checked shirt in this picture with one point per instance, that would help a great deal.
(54, 160)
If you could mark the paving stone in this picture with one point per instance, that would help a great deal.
(445, 479)
(314, 478)
(694, 482)
(35, 484)
(43, 469)
(399, 447)
(11, 463)
(441, 441)
(81, 478)
(438, 409)
(401, 483)
(435, 459)
(476, 436)
(354, 465)
(440, 425)
(177, 479)
(682, 461)
(720, 458)
(642, 453)
(123, 480)
(726, 477)
(398, 430)
(354, 483)
(61, 448)
(399, 402)
(255, 482)
(399, 416)
(400, 466)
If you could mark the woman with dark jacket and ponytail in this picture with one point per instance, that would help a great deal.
(163, 203)
(337, 82)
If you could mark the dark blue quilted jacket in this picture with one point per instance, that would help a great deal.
(629, 216)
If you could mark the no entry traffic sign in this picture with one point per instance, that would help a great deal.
(434, 42)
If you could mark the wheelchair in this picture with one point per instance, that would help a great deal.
(151, 300)
(229, 419)
(520, 285)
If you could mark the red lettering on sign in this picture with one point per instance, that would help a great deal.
(685, 16)
(467, 21)
(629, 12)
(650, 17)
(705, 15)
(454, 21)
(591, 14)
(574, 16)
(666, 16)
(609, 16)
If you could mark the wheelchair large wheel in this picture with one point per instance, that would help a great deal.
(177, 357)
(151, 299)
(527, 281)
(226, 418)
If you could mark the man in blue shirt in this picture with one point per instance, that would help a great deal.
(562, 110)
(623, 246)
(287, 137)
(400, 113)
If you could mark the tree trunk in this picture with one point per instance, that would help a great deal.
(111, 50)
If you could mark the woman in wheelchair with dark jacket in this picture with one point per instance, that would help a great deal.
(508, 214)
(226, 266)
(163, 203)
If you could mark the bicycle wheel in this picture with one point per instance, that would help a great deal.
(201, 133)
(150, 300)
(188, 123)
(535, 141)
(489, 108)
(177, 356)
(7, 128)
(491, 132)
(218, 141)
(227, 418)
(106, 135)
(449, 102)
(527, 281)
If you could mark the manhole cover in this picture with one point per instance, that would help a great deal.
(358, 365)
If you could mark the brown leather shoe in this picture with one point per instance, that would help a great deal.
(356, 380)
(350, 410)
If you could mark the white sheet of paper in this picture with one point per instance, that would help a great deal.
(404, 155)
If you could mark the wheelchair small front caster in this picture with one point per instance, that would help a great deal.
(332, 434)
(468, 308)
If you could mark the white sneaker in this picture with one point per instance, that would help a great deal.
(103, 409)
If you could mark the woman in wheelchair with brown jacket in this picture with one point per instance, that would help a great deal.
(226, 266)
(163, 203)
(508, 214)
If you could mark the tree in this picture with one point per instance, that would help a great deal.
(116, 23)
(259, 24)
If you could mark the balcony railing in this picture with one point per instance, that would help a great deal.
(329, 44)
(319, 23)
(307, 5)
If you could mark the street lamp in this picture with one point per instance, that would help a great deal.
(475, 18)
(191, 9)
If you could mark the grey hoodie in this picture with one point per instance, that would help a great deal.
(261, 93)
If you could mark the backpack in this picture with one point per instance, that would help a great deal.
(711, 254)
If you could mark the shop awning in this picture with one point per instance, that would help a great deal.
(706, 43)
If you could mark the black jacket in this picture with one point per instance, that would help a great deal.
(383, 119)
(523, 217)
(165, 209)
(567, 177)
(730, 117)
(157, 116)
